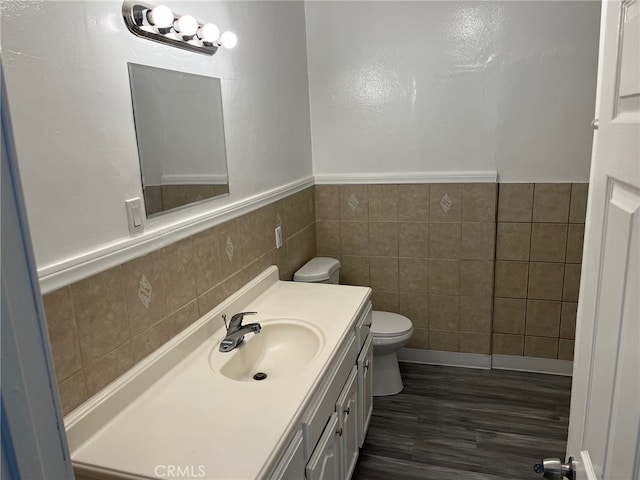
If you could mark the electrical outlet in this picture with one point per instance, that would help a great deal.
(278, 237)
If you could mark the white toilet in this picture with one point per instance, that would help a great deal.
(390, 331)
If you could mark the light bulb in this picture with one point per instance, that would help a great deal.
(187, 26)
(160, 17)
(208, 33)
(228, 40)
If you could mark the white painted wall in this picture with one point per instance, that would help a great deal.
(401, 87)
(68, 88)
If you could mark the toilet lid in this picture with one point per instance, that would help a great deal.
(389, 324)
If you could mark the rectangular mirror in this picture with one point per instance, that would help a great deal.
(180, 133)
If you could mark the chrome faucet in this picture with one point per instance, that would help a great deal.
(236, 331)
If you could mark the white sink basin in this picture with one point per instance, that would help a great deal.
(284, 346)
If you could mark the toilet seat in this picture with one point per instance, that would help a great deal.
(387, 324)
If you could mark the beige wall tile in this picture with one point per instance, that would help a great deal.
(266, 222)
(475, 314)
(540, 347)
(476, 278)
(545, 281)
(543, 318)
(354, 238)
(206, 261)
(443, 341)
(444, 240)
(299, 212)
(384, 274)
(177, 195)
(548, 242)
(383, 239)
(285, 270)
(355, 271)
(328, 237)
(254, 269)
(479, 202)
(575, 239)
(513, 241)
(509, 315)
(383, 203)
(475, 343)
(445, 203)
(511, 279)
(515, 202)
(354, 202)
(444, 276)
(100, 314)
(327, 202)
(478, 241)
(143, 290)
(211, 299)
(568, 320)
(504, 344)
(571, 282)
(419, 339)
(414, 275)
(179, 268)
(385, 301)
(565, 349)
(153, 199)
(578, 209)
(444, 312)
(63, 336)
(413, 203)
(415, 306)
(300, 249)
(249, 241)
(72, 392)
(101, 373)
(413, 240)
(551, 202)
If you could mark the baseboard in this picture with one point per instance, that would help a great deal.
(397, 177)
(157, 235)
(450, 359)
(532, 364)
(487, 362)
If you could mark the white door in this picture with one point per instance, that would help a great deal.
(604, 427)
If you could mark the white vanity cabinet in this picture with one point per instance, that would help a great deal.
(365, 388)
(325, 463)
(347, 410)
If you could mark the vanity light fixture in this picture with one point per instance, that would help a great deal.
(160, 24)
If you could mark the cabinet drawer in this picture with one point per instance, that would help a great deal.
(317, 414)
(363, 325)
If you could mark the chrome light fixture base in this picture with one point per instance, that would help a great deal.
(134, 14)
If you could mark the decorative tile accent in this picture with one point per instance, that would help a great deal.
(446, 203)
(144, 292)
(228, 249)
(353, 202)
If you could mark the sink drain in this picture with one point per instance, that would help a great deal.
(260, 376)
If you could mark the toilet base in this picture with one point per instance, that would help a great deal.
(386, 375)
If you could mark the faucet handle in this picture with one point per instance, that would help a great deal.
(224, 319)
(237, 318)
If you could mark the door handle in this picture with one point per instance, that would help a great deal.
(595, 123)
(554, 469)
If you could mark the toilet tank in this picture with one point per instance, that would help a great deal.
(319, 270)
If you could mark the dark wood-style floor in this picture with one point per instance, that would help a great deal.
(459, 423)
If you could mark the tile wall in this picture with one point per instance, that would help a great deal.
(427, 251)
(435, 253)
(540, 232)
(101, 326)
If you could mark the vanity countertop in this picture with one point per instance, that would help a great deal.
(174, 409)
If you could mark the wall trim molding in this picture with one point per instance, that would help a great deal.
(533, 364)
(82, 266)
(488, 176)
(450, 359)
(487, 362)
(194, 179)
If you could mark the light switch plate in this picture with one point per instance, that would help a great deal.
(135, 215)
(278, 237)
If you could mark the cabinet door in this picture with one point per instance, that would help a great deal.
(325, 463)
(347, 409)
(365, 388)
